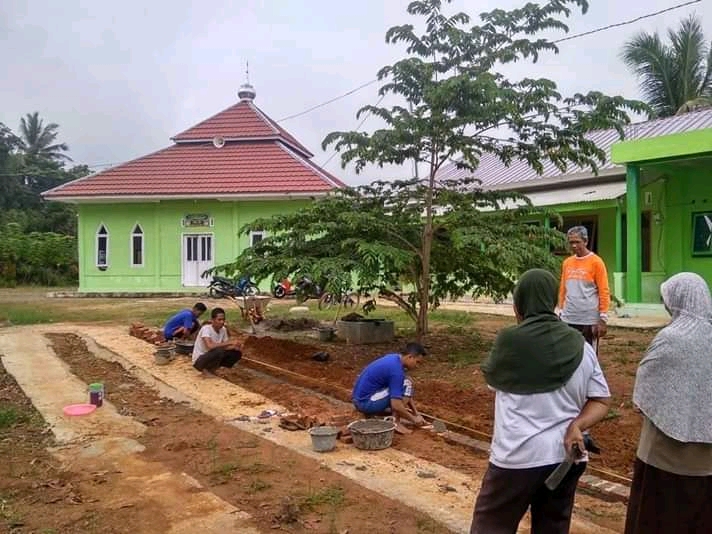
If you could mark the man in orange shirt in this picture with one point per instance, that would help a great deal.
(584, 296)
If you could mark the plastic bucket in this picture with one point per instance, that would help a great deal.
(323, 438)
(326, 334)
(162, 357)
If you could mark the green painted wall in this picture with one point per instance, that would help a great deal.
(687, 191)
(663, 147)
(606, 213)
(684, 167)
(163, 240)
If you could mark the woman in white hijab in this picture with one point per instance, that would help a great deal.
(672, 481)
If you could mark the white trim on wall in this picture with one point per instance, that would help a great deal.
(132, 251)
(109, 198)
(97, 236)
(255, 233)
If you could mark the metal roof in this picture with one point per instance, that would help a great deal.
(579, 193)
(495, 175)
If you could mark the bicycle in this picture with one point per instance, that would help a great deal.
(346, 299)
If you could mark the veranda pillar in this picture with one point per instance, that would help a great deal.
(619, 236)
(634, 252)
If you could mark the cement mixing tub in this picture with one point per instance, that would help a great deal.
(372, 434)
(366, 331)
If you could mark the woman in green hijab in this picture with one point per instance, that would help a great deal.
(549, 389)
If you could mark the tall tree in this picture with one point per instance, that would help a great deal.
(455, 104)
(39, 141)
(372, 235)
(8, 143)
(24, 176)
(676, 76)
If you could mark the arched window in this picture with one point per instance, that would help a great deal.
(256, 236)
(102, 247)
(137, 246)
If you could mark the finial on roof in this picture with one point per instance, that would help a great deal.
(247, 92)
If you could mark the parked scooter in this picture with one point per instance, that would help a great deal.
(221, 287)
(284, 288)
(306, 289)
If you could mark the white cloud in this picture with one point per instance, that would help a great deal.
(121, 81)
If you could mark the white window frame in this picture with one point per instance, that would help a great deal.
(98, 236)
(254, 233)
(143, 245)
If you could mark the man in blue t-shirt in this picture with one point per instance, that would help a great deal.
(383, 386)
(184, 323)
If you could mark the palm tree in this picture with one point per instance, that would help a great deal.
(38, 140)
(675, 77)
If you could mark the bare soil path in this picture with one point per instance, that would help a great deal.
(185, 471)
(271, 483)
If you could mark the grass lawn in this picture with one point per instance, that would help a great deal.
(31, 305)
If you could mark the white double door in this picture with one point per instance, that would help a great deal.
(198, 255)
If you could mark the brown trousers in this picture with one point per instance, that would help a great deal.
(666, 503)
(587, 331)
(506, 494)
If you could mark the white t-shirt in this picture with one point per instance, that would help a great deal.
(529, 429)
(200, 348)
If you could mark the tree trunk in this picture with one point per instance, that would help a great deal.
(424, 293)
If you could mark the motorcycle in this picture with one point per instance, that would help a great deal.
(221, 287)
(306, 289)
(303, 289)
(283, 288)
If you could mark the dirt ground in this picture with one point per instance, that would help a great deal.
(449, 384)
(301, 393)
(431, 447)
(282, 490)
(38, 495)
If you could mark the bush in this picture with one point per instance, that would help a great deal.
(41, 258)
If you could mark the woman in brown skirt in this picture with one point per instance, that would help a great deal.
(672, 480)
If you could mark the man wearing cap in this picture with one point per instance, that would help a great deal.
(384, 387)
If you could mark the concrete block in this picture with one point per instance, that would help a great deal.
(366, 331)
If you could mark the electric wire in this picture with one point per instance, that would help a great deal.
(371, 82)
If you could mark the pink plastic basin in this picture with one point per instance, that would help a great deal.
(79, 409)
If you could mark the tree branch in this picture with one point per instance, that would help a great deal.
(392, 296)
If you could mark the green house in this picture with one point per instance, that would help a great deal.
(654, 191)
(156, 223)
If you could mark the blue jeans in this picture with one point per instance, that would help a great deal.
(380, 401)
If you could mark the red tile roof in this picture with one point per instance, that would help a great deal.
(202, 170)
(241, 121)
(258, 158)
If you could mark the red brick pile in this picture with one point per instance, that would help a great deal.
(301, 421)
(151, 335)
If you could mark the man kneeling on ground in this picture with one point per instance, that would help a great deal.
(212, 348)
(383, 387)
(184, 323)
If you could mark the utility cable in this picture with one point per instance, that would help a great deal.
(627, 22)
(352, 91)
(357, 129)
(563, 39)
(371, 82)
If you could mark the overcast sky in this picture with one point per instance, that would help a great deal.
(121, 78)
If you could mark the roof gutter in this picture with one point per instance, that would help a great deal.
(99, 199)
(562, 182)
